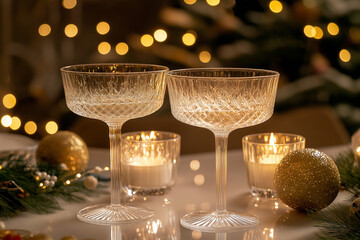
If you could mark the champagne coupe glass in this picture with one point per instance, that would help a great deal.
(114, 93)
(221, 100)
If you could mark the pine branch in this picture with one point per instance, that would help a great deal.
(20, 188)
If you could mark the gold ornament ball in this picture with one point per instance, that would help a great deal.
(64, 147)
(307, 179)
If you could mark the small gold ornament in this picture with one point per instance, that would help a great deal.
(64, 147)
(307, 179)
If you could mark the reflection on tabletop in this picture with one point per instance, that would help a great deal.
(194, 191)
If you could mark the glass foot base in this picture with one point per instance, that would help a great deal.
(263, 192)
(108, 214)
(219, 221)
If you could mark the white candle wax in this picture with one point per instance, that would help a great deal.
(151, 173)
(263, 171)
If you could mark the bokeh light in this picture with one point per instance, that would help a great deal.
(275, 6)
(121, 48)
(104, 48)
(71, 30)
(199, 179)
(318, 33)
(69, 4)
(213, 3)
(44, 29)
(205, 56)
(15, 123)
(189, 39)
(51, 127)
(30, 127)
(160, 35)
(309, 31)
(6, 121)
(344, 55)
(9, 101)
(102, 28)
(196, 235)
(147, 40)
(333, 28)
(194, 165)
(190, 2)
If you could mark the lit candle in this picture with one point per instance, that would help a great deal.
(262, 153)
(149, 161)
(151, 173)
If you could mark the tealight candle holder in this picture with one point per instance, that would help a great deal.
(262, 152)
(149, 162)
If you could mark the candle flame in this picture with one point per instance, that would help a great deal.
(272, 142)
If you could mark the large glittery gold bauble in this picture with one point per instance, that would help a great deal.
(64, 147)
(307, 179)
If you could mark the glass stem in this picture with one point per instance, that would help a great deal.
(115, 163)
(221, 142)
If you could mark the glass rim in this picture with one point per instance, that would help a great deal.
(301, 138)
(67, 69)
(176, 136)
(272, 73)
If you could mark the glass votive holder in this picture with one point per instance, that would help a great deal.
(262, 152)
(149, 162)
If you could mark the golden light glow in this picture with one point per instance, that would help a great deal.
(78, 175)
(6, 121)
(345, 55)
(71, 30)
(309, 31)
(102, 28)
(194, 165)
(44, 30)
(69, 4)
(104, 48)
(190, 2)
(213, 3)
(15, 123)
(160, 35)
(318, 33)
(196, 235)
(106, 168)
(205, 56)
(333, 28)
(122, 48)
(147, 40)
(51, 127)
(275, 6)
(9, 101)
(189, 39)
(199, 179)
(67, 182)
(30, 127)
(358, 150)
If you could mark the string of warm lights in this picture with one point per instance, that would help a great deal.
(147, 40)
(314, 31)
(14, 122)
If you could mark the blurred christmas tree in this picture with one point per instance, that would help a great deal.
(314, 44)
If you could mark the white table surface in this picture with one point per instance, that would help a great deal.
(185, 197)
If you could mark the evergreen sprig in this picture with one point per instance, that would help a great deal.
(337, 221)
(25, 193)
